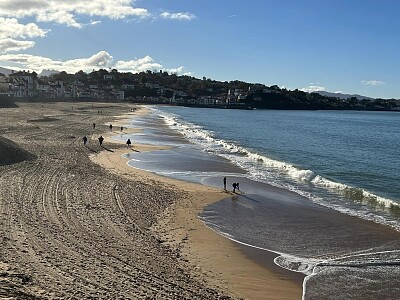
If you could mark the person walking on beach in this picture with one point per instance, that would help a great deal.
(234, 187)
(128, 142)
(101, 139)
(225, 183)
(122, 128)
(84, 140)
(94, 125)
(111, 127)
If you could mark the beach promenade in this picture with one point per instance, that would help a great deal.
(78, 223)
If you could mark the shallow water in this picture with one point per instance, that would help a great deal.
(344, 256)
(347, 161)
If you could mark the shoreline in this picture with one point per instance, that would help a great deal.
(238, 270)
(72, 228)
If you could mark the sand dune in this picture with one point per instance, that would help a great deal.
(11, 153)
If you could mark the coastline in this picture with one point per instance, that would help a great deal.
(222, 263)
(72, 229)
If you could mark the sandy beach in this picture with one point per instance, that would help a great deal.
(78, 223)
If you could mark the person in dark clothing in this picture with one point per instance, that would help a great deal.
(111, 127)
(84, 140)
(122, 128)
(101, 139)
(234, 187)
(225, 183)
(128, 142)
(94, 125)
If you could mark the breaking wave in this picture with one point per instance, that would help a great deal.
(285, 175)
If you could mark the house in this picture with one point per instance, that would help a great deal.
(118, 94)
(23, 84)
(58, 87)
(108, 77)
(44, 90)
(4, 85)
(85, 94)
(128, 86)
(230, 98)
(206, 100)
(153, 85)
(241, 98)
(181, 93)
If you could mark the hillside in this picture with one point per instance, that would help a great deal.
(343, 96)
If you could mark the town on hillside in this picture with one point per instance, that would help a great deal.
(161, 87)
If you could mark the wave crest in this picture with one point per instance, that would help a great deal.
(264, 169)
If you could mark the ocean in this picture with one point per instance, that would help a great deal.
(314, 184)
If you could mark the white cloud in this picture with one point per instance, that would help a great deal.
(11, 30)
(37, 63)
(100, 60)
(179, 70)
(138, 65)
(60, 17)
(186, 16)
(67, 12)
(8, 45)
(94, 22)
(372, 82)
(144, 64)
(313, 88)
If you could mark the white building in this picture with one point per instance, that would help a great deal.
(23, 84)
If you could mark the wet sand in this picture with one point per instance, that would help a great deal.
(274, 218)
(71, 228)
(222, 263)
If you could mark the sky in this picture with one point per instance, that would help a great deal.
(348, 46)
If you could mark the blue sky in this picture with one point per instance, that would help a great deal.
(350, 46)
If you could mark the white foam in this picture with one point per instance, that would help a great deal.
(265, 169)
(285, 261)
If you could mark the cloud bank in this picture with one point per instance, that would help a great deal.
(372, 82)
(313, 88)
(178, 16)
(15, 36)
(12, 34)
(67, 12)
(100, 60)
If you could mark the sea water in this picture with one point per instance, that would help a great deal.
(296, 168)
(336, 158)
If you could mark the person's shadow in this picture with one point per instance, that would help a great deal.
(90, 149)
(106, 148)
(236, 197)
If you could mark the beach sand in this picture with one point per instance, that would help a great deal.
(77, 222)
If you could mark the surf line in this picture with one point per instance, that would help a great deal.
(309, 262)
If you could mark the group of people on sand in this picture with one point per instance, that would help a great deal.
(111, 128)
(85, 140)
(235, 186)
(101, 138)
